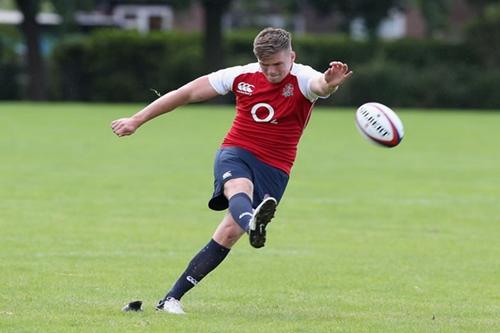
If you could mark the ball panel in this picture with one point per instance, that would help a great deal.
(379, 124)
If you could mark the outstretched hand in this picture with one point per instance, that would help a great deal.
(337, 73)
(124, 126)
(326, 84)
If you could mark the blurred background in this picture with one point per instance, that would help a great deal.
(418, 53)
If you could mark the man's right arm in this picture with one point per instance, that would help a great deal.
(195, 91)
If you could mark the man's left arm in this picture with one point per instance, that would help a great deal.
(326, 84)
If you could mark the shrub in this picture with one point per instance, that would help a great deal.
(483, 37)
(114, 65)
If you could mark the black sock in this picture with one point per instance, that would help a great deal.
(203, 263)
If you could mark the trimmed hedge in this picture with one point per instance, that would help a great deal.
(433, 86)
(114, 65)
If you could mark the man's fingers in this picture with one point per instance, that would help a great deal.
(122, 130)
(338, 67)
(335, 62)
(117, 127)
(114, 124)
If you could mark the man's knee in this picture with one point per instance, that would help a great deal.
(238, 185)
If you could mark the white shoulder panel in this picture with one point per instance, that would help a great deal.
(222, 80)
(304, 76)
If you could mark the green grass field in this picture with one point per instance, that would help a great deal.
(367, 239)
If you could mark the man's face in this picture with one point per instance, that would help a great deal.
(277, 66)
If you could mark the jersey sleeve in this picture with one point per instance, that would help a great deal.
(222, 80)
(305, 74)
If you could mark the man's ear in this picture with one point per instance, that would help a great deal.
(292, 53)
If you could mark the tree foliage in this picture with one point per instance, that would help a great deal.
(435, 13)
(371, 11)
(483, 35)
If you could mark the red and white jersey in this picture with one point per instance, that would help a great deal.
(270, 117)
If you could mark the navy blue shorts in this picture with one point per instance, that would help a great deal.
(234, 162)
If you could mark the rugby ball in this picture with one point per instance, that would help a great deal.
(379, 124)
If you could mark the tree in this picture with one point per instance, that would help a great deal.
(371, 11)
(214, 10)
(435, 12)
(483, 35)
(35, 65)
(31, 31)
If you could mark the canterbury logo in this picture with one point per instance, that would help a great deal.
(191, 279)
(245, 214)
(245, 88)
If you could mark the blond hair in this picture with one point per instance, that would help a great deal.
(271, 41)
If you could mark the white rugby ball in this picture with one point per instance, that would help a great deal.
(379, 124)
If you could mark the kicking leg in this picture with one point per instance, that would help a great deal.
(239, 192)
(225, 236)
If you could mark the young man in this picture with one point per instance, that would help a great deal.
(274, 100)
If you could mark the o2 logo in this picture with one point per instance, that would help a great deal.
(263, 117)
